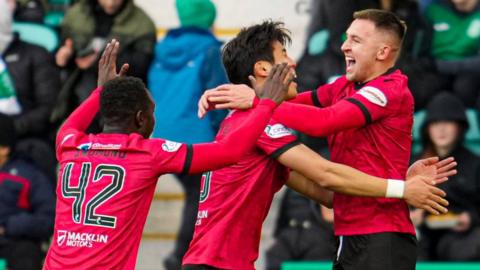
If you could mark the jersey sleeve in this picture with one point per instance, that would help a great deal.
(79, 120)
(276, 139)
(170, 156)
(322, 96)
(378, 99)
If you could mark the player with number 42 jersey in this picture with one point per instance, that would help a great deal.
(107, 181)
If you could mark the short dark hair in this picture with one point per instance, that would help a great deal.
(384, 20)
(252, 44)
(121, 99)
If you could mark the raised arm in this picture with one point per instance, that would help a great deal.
(83, 116)
(320, 122)
(239, 96)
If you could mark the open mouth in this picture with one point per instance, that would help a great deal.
(350, 62)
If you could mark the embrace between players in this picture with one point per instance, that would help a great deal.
(367, 116)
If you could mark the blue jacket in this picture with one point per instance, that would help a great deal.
(186, 63)
(27, 201)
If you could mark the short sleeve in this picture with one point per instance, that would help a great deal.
(276, 139)
(378, 99)
(323, 95)
(170, 156)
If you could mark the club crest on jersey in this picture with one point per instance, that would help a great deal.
(169, 146)
(374, 95)
(85, 146)
(61, 236)
(277, 131)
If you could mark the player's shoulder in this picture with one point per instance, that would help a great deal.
(393, 79)
(335, 84)
(70, 137)
(162, 146)
(275, 130)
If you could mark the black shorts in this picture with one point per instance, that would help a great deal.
(380, 251)
(198, 267)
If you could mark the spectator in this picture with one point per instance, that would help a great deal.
(87, 25)
(456, 46)
(34, 83)
(443, 133)
(27, 205)
(28, 10)
(304, 232)
(186, 63)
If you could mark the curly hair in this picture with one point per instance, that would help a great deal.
(121, 99)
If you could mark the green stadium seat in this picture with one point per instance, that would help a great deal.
(53, 18)
(55, 12)
(472, 138)
(37, 34)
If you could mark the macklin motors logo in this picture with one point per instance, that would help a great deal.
(76, 239)
(61, 237)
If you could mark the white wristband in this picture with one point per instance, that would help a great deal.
(395, 188)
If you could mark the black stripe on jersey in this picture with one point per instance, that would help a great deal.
(315, 100)
(366, 113)
(284, 149)
(188, 159)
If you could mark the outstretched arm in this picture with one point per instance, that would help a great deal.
(239, 96)
(347, 180)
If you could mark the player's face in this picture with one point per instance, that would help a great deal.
(280, 56)
(360, 50)
(110, 6)
(443, 133)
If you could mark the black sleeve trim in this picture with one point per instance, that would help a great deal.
(366, 113)
(315, 100)
(188, 159)
(284, 149)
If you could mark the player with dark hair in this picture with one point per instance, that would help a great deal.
(235, 200)
(107, 180)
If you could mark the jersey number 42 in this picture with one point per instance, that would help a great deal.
(90, 216)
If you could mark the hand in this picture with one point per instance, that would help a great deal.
(464, 222)
(419, 194)
(276, 85)
(64, 53)
(107, 66)
(434, 171)
(2, 230)
(417, 216)
(87, 61)
(226, 96)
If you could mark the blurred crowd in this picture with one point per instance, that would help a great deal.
(41, 84)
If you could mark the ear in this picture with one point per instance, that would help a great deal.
(262, 69)
(384, 52)
(139, 119)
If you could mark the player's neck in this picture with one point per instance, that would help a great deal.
(377, 73)
(117, 130)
